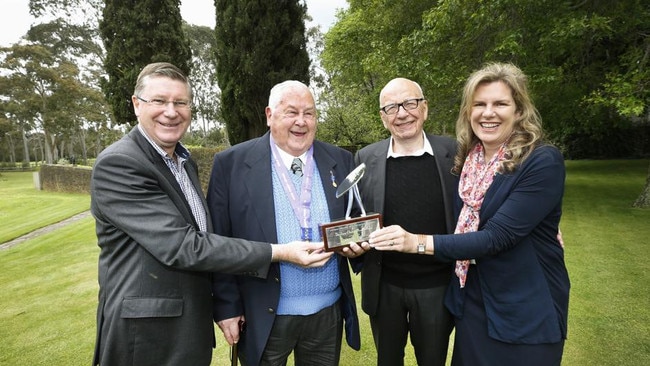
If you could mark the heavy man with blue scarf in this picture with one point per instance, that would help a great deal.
(279, 188)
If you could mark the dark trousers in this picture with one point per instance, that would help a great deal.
(474, 347)
(418, 311)
(315, 340)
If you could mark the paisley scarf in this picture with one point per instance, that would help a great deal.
(475, 179)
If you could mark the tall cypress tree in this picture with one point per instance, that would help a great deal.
(136, 33)
(259, 44)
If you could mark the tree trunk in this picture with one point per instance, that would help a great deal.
(59, 153)
(98, 142)
(49, 159)
(25, 145)
(12, 149)
(643, 201)
(84, 148)
(42, 149)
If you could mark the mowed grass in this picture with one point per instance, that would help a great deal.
(49, 296)
(49, 284)
(607, 246)
(24, 209)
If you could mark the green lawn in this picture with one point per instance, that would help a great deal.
(606, 249)
(24, 209)
(49, 284)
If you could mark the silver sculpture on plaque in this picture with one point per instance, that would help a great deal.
(341, 233)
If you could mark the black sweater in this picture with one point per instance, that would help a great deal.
(413, 200)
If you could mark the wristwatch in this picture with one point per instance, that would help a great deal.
(421, 244)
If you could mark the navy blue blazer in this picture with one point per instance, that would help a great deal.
(523, 277)
(240, 199)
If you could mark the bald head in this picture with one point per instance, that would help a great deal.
(400, 85)
(403, 111)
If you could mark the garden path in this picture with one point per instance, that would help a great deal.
(44, 230)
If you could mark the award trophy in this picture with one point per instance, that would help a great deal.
(341, 233)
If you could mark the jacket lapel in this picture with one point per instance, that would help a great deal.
(377, 167)
(444, 162)
(259, 185)
(169, 183)
(327, 169)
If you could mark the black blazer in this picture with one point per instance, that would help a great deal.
(155, 303)
(372, 188)
(240, 198)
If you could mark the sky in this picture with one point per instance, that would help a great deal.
(15, 19)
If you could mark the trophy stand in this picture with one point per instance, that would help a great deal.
(342, 233)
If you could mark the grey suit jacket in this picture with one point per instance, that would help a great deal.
(240, 198)
(373, 188)
(155, 304)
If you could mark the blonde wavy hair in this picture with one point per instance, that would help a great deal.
(527, 131)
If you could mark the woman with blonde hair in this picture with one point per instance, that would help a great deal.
(510, 294)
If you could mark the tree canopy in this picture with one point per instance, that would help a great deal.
(207, 95)
(586, 60)
(134, 35)
(259, 44)
(46, 94)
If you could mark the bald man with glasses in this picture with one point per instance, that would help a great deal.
(408, 180)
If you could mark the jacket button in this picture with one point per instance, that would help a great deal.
(271, 311)
(277, 279)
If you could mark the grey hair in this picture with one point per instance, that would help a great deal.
(161, 69)
(278, 91)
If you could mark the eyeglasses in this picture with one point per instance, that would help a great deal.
(408, 105)
(178, 104)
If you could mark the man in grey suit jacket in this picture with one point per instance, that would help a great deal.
(250, 196)
(152, 226)
(408, 180)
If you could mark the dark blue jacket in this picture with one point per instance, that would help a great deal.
(524, 280)
(240, 199)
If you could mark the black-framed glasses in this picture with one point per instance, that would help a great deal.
(178, 104)
(408, 105)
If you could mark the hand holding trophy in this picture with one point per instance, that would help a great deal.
(341, 233)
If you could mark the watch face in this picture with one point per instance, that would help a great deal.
(422, 244)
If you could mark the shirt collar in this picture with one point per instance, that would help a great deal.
(287, 158)
(425, 149)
